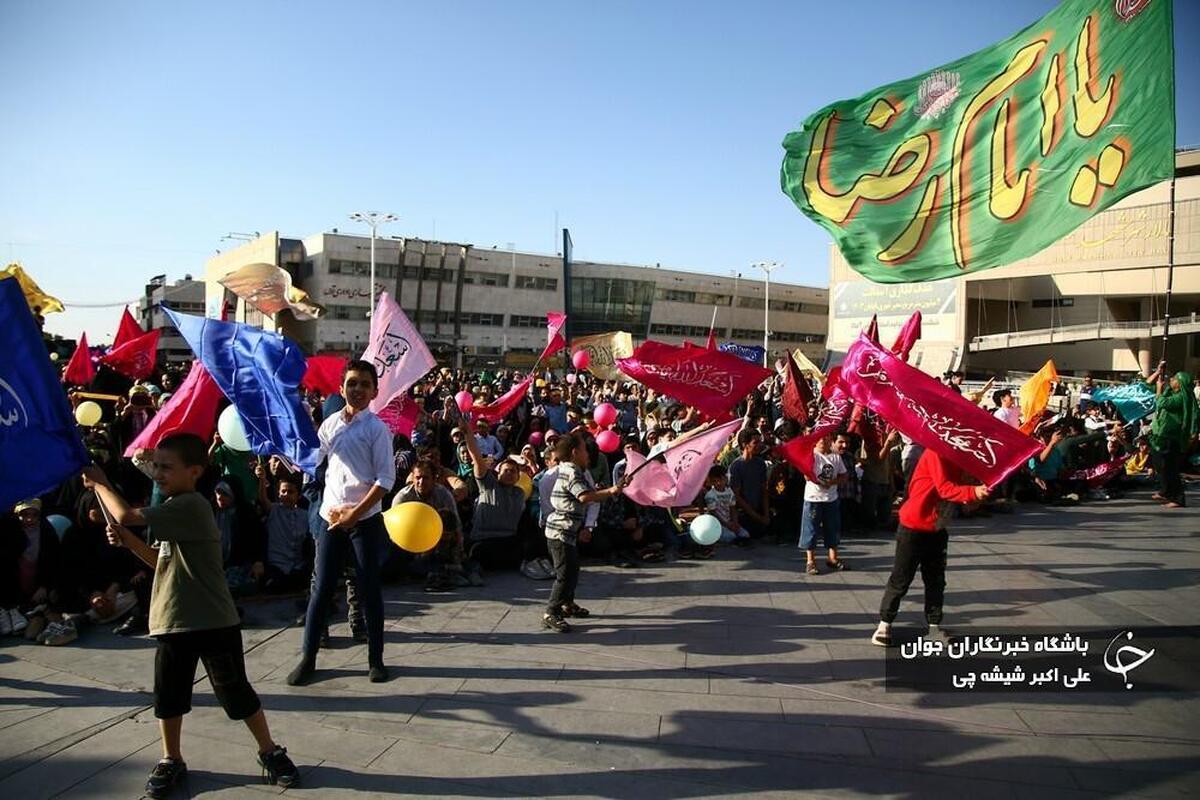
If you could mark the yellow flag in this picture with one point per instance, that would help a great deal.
(1035, 394)
(805, 365)
(604, 349)
(39, 301)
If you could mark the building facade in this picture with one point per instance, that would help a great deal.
(185, 296)
(487, 307)
(1093, 301)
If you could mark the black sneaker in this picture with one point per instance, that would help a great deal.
(166, 774)
(278, 768)
(303, 672)
(134, 625)
(555, 623)
(378, 674)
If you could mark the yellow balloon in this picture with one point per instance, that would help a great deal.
(525, 484)
(415, 527)
(540, 383)
(88, 413)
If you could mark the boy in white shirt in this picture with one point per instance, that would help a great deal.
(719, 501)
(822, 514)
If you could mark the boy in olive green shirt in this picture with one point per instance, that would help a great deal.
(191, 611)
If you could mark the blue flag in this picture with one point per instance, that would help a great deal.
(746, 353)
(1133, 401)
(39, 443)
(260, 373)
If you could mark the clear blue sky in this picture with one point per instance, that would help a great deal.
(137, 134)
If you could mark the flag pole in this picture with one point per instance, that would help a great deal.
(712, 326)
(1170, 270)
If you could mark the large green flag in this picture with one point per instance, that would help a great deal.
(991, 158)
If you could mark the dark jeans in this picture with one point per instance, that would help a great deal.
(1168, 462)
(364, 544)
(917, 549)
(566, 574)
(876, 504)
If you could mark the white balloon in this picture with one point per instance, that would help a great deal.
(233, 433)
(705, 529)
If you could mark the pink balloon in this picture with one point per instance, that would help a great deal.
(581, 359)
(608, 441)
(605, 415)
(571, 377)
(465, 401)
(536, 438)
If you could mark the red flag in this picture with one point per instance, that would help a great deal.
(503, 405)
(709, 380)
(324, 374)
(799, 450)
(797, 394)
(80, 369)
(832, 382)
(1095, 477)
(134, 359)
(555, 321)
(191, 409)
(401, 414)
(934, 415)
(908, 336)
(127, 330)
(872, 331)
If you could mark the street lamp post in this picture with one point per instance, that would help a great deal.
(373, 219)
(767, 267)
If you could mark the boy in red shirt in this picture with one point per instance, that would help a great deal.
(921, 541)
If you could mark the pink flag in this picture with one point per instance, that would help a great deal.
(397, 351)
(401, 414)
(134, 359)
(677, 479)
(908, 336)
(934, 415)
(555, 321)
(127, 331)
(324, 374)
(503, 405)
(709, 380)
(80, 369)
(192, 409)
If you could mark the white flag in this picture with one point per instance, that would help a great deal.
(397, 351)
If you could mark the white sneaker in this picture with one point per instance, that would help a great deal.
(17, 620)
(65, 634)
(53, 629)
(6, 621)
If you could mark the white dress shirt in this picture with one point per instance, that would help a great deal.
(360, 456)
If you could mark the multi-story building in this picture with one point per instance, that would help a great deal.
(487, 306)
(1094, 301)
(185, 296)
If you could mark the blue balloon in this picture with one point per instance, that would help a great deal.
(705, 529)
(59, 523)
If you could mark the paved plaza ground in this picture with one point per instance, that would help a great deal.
(738, 676)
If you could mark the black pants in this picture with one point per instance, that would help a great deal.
(566, 574)
(1169, 464)
(175, 671)
(364, 546)
(917, 549)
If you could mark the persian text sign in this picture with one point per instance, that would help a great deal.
(991, 158)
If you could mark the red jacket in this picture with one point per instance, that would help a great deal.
(933, 482)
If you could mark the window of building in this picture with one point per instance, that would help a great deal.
(785, 305)
(793, 336)
(345, 312)
(749, 302)
(524, 321)
(481, 278)
(605, 304)
(746, 333)
(537, 283)
(1057, 302)
(660, 329)
(711, 299)
(479, 318)
(675, 295)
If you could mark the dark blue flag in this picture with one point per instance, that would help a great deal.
(39, 443)
(260, 373)
(752, 354)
